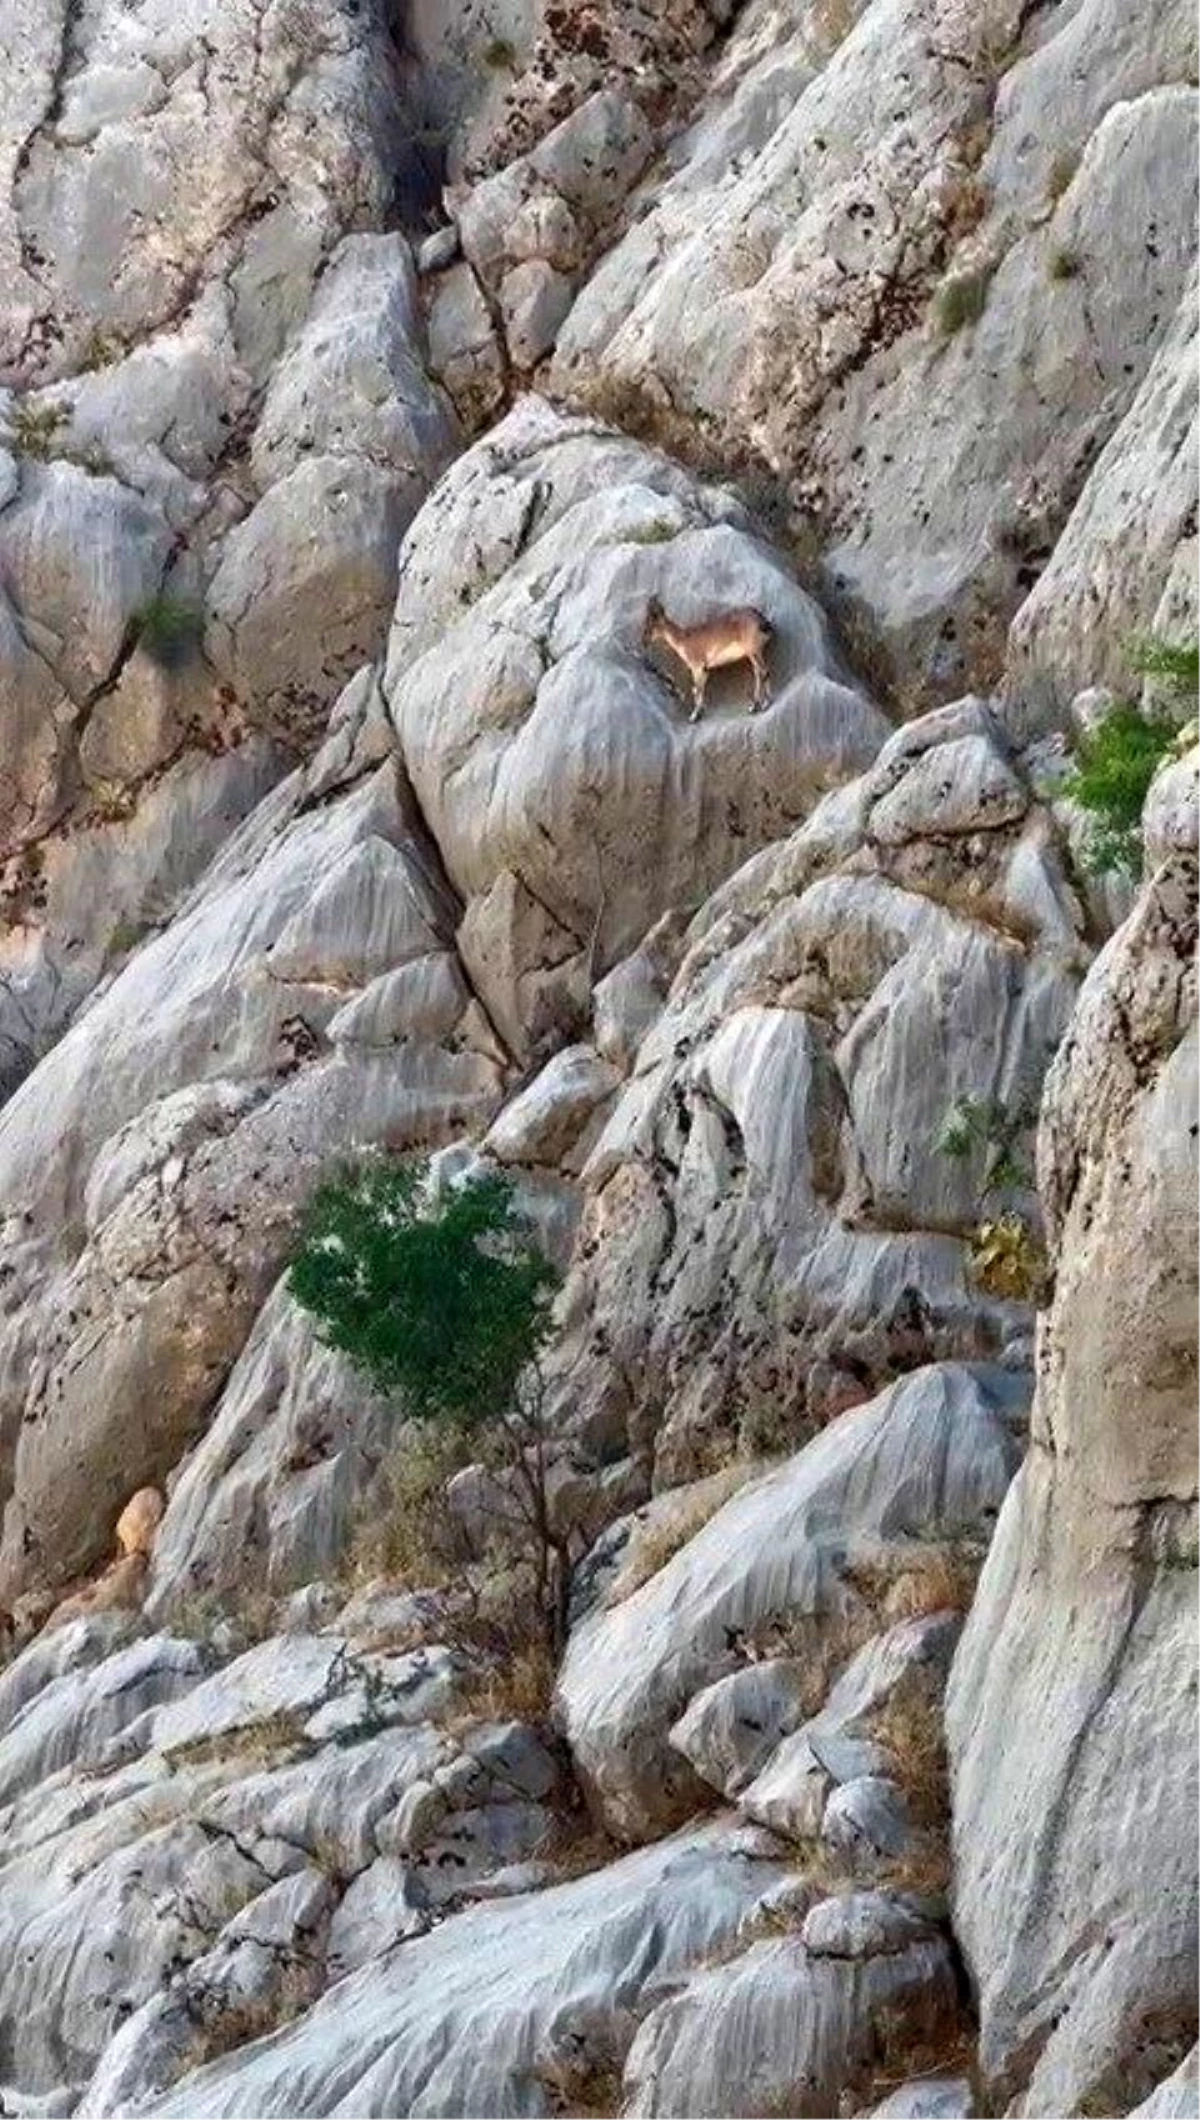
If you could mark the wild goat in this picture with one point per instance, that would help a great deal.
(738, 636)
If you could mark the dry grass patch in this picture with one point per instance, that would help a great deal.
(1062, 175)
(207, 1616)
(833, 21)
(519, 1688)
(404, 1530)
(582, 2085)
(275, 1735)
(917, 1581)
(911, 2051)
(240, 2022)
(910, 1730)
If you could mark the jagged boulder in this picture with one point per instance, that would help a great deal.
(931, 1456)
(769, 1230)
(571, 799)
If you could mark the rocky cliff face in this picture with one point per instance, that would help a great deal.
(366, 379)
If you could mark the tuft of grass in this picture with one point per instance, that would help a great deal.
(1177, 662)
(517, 1688)
(938, 1577)
(909, 1728)
(102, 349)
(267, 1739)
(1008, 1260)
(499, 55)
(658, 532)
(168, 627)
(910, 2052)
(1063, 265)
(126, 935)
(1110, 779)
(112, 800)
(961, 299)
(833, 21)
(35, 428)
(404, 1530)
(235, 2024)
(985, 1126)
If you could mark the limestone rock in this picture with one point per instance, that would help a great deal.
(938, 1448)
(186, 243)
(156, 1160)
(558, 1112)
(265, 1961)
(871, 304)
(490, 2001)
(268, 1492)
(1071, 1712)
(1102, 585)
(730, 1729)
(784, 2026)
(73, 1718)
(352, 382)
(532, 567)
(464, 351)
(929, 2098)
(769, 1228)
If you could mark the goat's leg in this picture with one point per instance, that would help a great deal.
(761, 681)
(699, 680)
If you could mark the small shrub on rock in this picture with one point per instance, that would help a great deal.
(1116, 761)
(168, 628)
(443, 1299)
(36, 429)
(1114, 766)
(961, 299)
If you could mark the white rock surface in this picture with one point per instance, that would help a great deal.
(203, 285)
(769, 1229)
(783, 286)
(571, 799)
(268, 1493)
(784, 2027)
(1071, 1709)
(935, 1451)
(156, 1160)
(929, 2098)
(490, 1999)
(558, 1114)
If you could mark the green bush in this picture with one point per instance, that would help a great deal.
(1114, 766)
(1178, 663)
(1116, 761)
(445, 1301)
(1005, 1253)
(984, 1126)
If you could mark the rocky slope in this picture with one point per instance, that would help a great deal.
(364, 384)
